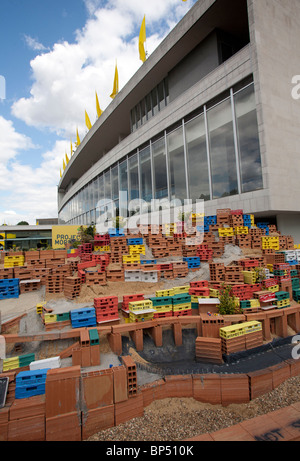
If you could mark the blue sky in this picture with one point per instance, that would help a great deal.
(54, 56)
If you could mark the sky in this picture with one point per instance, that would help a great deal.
(54, 56)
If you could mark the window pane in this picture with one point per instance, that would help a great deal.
(160, 169)
(176, 164)
(133, 177)
(222, 152)
(249, 151)
(115, 183)
(148, 106)
(161, 96)
(123, 188)
(146, 177)
(154, 101)
(107, 185)
(197, 159)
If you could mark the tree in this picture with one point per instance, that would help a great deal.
(23, 223)
(227, 304)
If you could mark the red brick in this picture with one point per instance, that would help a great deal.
(179, 386)
(131, 408)
(30, 429)
(24, 408)
(234, 433)
(120, 384)
(280, 373)
(64, 428)
(97, 420)
(264, 428)
(207, 388)
(234, 389)
(3, 432)
(260, 382)
(97, 388)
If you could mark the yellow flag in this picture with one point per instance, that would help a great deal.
(67, 159)
(87, 121)
(99, 111)
(142, 39)
(71, 148)
(64, 165)
(77, 138)
(60, 172)
(116, 83)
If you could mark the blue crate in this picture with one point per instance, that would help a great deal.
(116, 232)
(9, 282)
(148, 261)
(85, 322)
(24, 392)
(137, 241)
(85, 312)
(210, 220)
(9, 295)
(192, 259)
(31, 377)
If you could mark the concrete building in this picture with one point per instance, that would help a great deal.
(209, 115)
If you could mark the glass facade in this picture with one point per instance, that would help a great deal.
(214, 154)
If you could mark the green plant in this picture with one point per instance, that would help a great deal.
(260, 274)
(227, 304)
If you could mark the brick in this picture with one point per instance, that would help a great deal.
(31, 429)
(31, 406)
(3, 432)
(179, 386)
(64, 428)
(97, 420)
(260, 382)
(234, 389)
(120, 393)
(207, 388)
(131, 408)
(97, 389)
(62, 391)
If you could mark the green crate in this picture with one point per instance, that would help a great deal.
(62, 317)
(26, 359)
(161, 300)
(181, 298)
(94, 336)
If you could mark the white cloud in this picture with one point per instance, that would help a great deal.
(66, 77)
(34, 44)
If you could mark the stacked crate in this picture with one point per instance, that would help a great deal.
(166, 270)
(16, 362)
(270, 243)
(282, 299)
(140, 311)
(240, 337)
(127, 299)
(55, 283)
(217, 272)
(204, 253)
(233, 274)
(180, 269)
(83, 317)
(95, 277)
(14, 261)
(106, 308)
(193, 262)
(26, 286)
(72, 287)
(118, 247)
(9, 288)
(114, 273)
(163, 306)
(30, 383)
(181, 304)
(208, 350)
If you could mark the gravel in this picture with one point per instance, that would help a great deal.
(178, 419)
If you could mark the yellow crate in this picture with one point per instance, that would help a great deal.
(283, 302)
(161, 293)
(241, 230)
(249, 277)
(39, 308)
(240, 329)
(194, 299)
(182, 289)
(225, 231)
(11, 363)
(165, 308)
(49, 318)
(213, 293)
(273, 289)
(254, 303)
(138, 305)
(140, 317)
(136, 250)
(131, 259)
(102, 248)
(182, 307)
